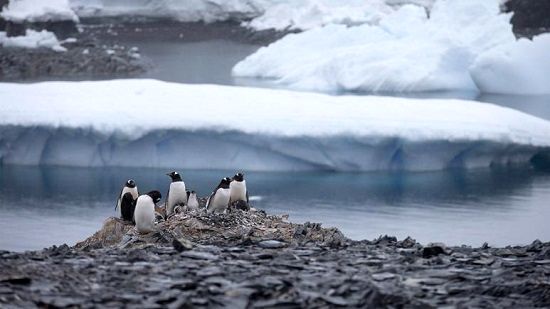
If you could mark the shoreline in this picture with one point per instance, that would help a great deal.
(254, 260)
(101, 49)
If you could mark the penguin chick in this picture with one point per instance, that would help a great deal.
(176, 195)
(192, 201)
(129, 187)
(144, 214)
(219, 199)
(238, 190)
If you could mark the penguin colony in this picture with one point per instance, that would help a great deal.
(144, 212)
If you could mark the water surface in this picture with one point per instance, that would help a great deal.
(54, 205)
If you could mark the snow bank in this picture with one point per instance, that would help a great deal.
(38, 11)
(159, 124)
(32, 39)
(405, 52)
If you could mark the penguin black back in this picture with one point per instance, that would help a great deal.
(127, 207)
(175, 176)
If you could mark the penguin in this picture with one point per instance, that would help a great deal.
(238, 190)
(192, 201)
(177, 195)
(219, 199)
(144, 214)
(129, 187)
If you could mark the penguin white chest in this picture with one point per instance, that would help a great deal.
(238, 190)
(176, 195)
(144, 214)
(133, 191)
(219, 201)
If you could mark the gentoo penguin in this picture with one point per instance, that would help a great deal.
(219, 199)
(177, 195)
(145, 211)
(238, 190)
(192, 201)
(129, 187)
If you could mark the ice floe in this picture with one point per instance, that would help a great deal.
(159, 124)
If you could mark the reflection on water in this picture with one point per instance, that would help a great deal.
(45, 206)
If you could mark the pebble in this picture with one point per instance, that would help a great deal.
(269, 273)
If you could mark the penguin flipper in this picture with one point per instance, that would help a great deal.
(247, 200)
(118, 199)
(210, 199)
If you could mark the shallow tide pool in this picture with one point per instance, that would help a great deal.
(54, 205)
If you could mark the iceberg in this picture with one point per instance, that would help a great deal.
(461, 46)
(309, 14)
(150, 123)
(38, 11)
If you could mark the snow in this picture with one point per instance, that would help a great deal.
(309, 14)
(38, 11)
(455, 48)
(152, 123)
(32, 39)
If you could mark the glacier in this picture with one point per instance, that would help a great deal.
(465, 45)
(150, 123)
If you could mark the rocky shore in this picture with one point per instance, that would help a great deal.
(254, 260)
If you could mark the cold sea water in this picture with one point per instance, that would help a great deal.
(42, 206)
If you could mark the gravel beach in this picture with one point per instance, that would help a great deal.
(253, 260)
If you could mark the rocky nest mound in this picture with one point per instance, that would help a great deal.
(235, 228)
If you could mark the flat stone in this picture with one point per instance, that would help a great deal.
(271, 244)
(197, 255)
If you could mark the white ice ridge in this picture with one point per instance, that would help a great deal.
(256, 14)
(38, 11)
(465, 45)
(32, 39)
(160, 124)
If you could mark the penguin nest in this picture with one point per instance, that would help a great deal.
(234, 228)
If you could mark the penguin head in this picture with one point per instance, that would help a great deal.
(238, 177)
(155, 195)
(130, 183)
(224, 184)
(175, 176)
